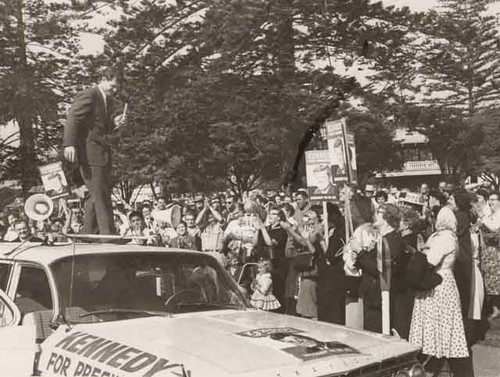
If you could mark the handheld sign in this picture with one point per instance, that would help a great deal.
(342, 150)
(320, 184)
(54, 180)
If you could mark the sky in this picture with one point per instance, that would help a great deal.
(414, 5)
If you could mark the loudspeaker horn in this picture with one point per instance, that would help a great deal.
(172, 215)
(38, 207)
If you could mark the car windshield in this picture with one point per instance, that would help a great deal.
(109, 287)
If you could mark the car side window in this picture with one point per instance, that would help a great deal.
(4, 275)
(33, 290)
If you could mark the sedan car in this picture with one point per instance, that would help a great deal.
(104, 310)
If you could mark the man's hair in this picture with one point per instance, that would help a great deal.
(280, 212)
(109, 74)
(135, 214)
(190, 213)
(303, 194)
(381, 194)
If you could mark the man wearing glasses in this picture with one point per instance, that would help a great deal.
(230, 207)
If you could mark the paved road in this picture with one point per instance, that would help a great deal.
(487, 353)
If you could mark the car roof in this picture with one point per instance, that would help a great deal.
(46, 255)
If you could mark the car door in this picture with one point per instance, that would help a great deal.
(17, 343)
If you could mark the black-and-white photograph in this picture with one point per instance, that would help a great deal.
(243, 188)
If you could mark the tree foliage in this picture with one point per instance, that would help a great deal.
(231, 92)
(37, 50)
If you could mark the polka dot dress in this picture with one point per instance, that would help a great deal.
(437, 324)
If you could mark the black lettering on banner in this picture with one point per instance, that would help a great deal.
(96, 372)
(68, 340)
(75, 346)
(87, 370)
(52, 359)
(161, 364)
(139, 362)
(58, 364)
(65, 366)
(106, 352)
(92, 347)
(79, 369)
(114, 354)
(117, 360)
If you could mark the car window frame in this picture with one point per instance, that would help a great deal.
(11, 273)
(7, 301)
(16, 275)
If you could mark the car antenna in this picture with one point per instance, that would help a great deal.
(72, 278)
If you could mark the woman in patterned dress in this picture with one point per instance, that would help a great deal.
(437, 323)
(490, 228)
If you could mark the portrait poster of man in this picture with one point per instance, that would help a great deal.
(54, 180)
(343, 165)
(320, 183)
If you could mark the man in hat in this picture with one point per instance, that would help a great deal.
(86, 144)
(199, 203)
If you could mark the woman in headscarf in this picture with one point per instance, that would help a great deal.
(437, 325)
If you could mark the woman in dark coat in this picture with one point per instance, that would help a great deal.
(460, 203)
(331, 276)
(387, 222)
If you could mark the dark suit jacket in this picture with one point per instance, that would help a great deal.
(370, 281)
(331, 266)
(88, 126)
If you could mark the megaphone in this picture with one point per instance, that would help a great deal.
(38, 207)
(172, 215)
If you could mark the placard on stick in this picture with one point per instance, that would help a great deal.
(320, 184)
(54, 180)
(343, 165)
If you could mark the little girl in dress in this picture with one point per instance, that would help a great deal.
(262, 297)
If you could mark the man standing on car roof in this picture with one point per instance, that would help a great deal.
(86, 143)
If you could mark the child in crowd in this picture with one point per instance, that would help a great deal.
(262, 297)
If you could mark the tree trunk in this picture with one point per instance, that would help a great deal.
(285, 43)
(27, 154)
(27, 157)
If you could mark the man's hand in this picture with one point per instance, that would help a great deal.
(120, 120)
(70, 154)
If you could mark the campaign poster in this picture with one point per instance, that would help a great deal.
(54, 180)
(300, 345)
(343, 165)
(320, 183)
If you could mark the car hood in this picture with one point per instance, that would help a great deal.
(221, 343)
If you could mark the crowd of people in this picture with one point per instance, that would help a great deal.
(438, 256)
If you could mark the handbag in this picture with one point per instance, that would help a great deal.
(420, 275)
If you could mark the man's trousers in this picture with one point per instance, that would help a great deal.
(98, 205)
